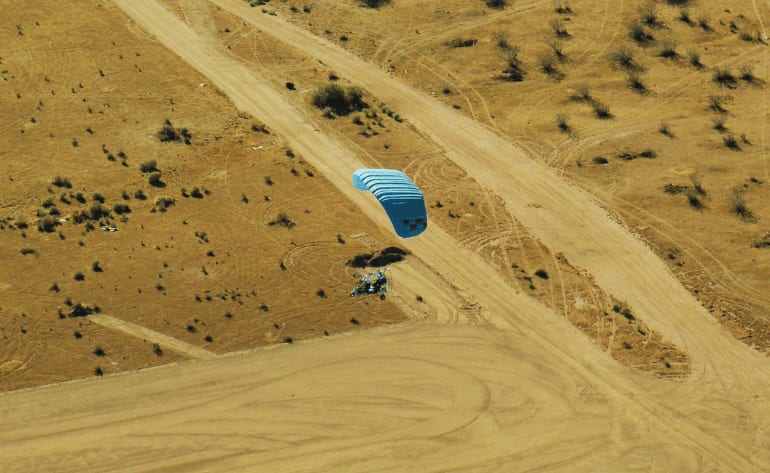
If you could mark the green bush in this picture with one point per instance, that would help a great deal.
(339, 100)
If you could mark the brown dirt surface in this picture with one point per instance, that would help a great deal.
(569, 272)
(208, 266)
(728, 262)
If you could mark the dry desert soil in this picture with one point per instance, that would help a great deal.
(178, 236)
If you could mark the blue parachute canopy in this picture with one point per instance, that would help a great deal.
(401, 199)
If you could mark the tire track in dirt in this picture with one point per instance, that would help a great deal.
(407, 44)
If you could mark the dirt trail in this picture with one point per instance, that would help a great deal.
(164, 341)
(529, 392)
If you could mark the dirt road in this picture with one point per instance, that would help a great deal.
(518, 388)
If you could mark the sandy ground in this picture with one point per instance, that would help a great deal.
(508, 385)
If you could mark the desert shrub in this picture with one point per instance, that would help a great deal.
(196, 193)
(667, 50)
(715, 104)
(374, 3)
(320, 293)
(745, 140)
(561, 123)
(738, 207)
(635, 83)
(639, 34)
(47, 224)
(501, 40)
(121, 208)
(168, 133)
(697, 186)
(140, 195)
(496, 4)
(747, 74)
(542, 274)
(703, 22)
(149, 166)
(694, 58)
(208, 338)
(623, 57)
(557, 47)
(581, 94)
(559, 29)
(719, 124)
(339, 100)
(562, 7)
(282, 220)
(99, 351)
(355, 96)
(694, 200)
(155, 180)
(648, 15)
(59, 181)
(601, 110)
(600, 160)
(684, 16)
(514, 67)
(97, 211)
(98, 197)
(648, 153)
(260, 127)
(21, 222)
(731, 142)
(157, 349)
(547, 62)
(79, 276)
(164, 202)
(98, 372)
(27, 251)
(725, 78)
(665, 130)
(674, 189)
(96, 267)
(462, 42)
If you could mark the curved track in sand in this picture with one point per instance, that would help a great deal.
(513, 388)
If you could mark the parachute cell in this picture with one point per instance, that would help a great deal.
(399, 196)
